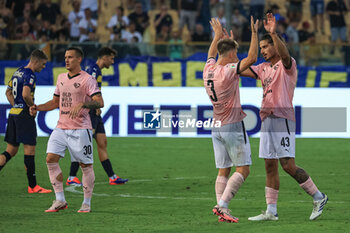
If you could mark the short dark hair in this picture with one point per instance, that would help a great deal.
(121, 9)
(77, 50)
(106, 51)
(268, 37)
(226, 45)
(38, 55)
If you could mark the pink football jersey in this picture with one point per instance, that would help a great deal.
(278, 84)
(72, 91)
(222, 86)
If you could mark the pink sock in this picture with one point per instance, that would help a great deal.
(271, 195)
(220, 186)
(233, 184)
(88, 181)
(54, 171)
(309, 187)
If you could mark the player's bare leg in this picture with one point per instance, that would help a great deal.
(10, 151)
(56, 179)
(88, 187)
(271, 192)
(300, 175)
(29, 165)
(232, 187)
(101, 141)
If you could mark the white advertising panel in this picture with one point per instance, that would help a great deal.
(186, 111)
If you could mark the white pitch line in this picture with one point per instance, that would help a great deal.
(72, 189)
(206, 177)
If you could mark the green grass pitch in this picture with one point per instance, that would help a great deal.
(171, 189)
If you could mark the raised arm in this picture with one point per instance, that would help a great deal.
(270, 26)
(253, 49)
(217, 28)
(10, 96)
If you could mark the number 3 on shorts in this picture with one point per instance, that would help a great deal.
(88, 150)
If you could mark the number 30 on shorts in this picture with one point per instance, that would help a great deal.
(285, 142)
(88, 150)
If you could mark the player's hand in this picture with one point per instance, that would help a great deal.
(270, 23)
(226, 36)
(217, 28)
(33, 110)
(98, 112)
(75, 111)
(254, 26)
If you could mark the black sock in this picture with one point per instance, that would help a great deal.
(30, 165)
(74, 167)
(7, 157)
(108, 167)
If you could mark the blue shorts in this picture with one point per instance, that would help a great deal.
(21, 128)
(97, 123)
(316, 7)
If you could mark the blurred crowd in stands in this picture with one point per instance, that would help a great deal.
(171, 22)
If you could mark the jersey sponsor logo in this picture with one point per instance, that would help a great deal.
(18, 74)
(266, 82)
(76, 85)
(66, 99)
(65, 112)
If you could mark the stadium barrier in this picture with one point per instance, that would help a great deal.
(320, 112)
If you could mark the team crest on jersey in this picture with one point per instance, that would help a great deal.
(76, 85)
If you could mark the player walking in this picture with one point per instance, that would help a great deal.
(75, 94)
(277, 140)
(105, 60)
(230, 141)
(21, 127)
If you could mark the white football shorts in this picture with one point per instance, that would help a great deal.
(78, 141)
(277, 138)
(231, 145)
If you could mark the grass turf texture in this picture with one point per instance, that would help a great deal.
(171, 189)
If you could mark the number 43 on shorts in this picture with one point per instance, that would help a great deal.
(285, 142)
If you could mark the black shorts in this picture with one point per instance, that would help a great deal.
(97, 123)
(21, 128)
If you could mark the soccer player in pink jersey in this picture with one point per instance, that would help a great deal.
(277, 141)
(75, 94)
(230, 141)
